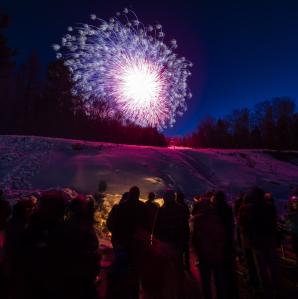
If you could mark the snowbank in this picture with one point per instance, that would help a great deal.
(30, 163)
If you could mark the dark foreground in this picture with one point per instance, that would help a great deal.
(57, 245)
(289, 278)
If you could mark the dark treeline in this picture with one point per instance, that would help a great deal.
(34, 102)
(270, 124)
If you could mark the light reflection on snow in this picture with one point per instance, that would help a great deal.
(154, 180)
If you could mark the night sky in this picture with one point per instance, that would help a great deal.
(243, 51)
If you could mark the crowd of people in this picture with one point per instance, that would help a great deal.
(49, 247)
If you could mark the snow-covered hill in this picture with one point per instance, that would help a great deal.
(28, 163)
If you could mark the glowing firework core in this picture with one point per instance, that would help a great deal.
(140, 85)
(128, 66)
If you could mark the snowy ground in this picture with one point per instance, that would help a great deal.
(30, 163)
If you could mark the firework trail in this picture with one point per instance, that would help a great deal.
(128, 66)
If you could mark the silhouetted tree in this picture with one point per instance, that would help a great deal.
(283, 111)
(28, 96)
(223, 137)
(271, 124)
(256, 137)
(7, 82)
(268, 128)
(240, 128)
(206, 135)
(294, 132)
(58, 108)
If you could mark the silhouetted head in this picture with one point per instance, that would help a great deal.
(219, 199)
(220, 196)
(125, 197)
(102, 186)
(5, 211)
(51, 206)
(23, 209)
(256, 195)
(180, 197)
(169, 196)
(81, 209)
(134, 193)
(151, 196)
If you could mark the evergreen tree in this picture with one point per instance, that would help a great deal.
(271, 124)
(223, 139)
(58, 107)
(28, 96)
(283, 110)
(240, 128)
(7, 82)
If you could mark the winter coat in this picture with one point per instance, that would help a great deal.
(209, 237)
(258, 224)
(127, 222)
(172, 225)
(152, 209)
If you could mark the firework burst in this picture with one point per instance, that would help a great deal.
(129, 66)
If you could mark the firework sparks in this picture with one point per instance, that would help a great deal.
(129, 66)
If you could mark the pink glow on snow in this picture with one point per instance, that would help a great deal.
(30, 163)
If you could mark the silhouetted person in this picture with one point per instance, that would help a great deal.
(4, 214)
(225, 213)
(201, 202)
(292, 223)
(79, 257)
(171, 233)
(15, 229)
(16, 225)
(186, 256)
(181, 200)
(258, 221)
(131, 219)
(269, 199)
(152, 208)
(151, 197)
(5, 211)
(117, 282)
(112, 221)
(238, 203)
(243, 221)
(210, 241)
(132, 226)
(171, 223)
(237, 206)
(44, 224)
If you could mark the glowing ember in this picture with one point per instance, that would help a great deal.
(129, 66)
